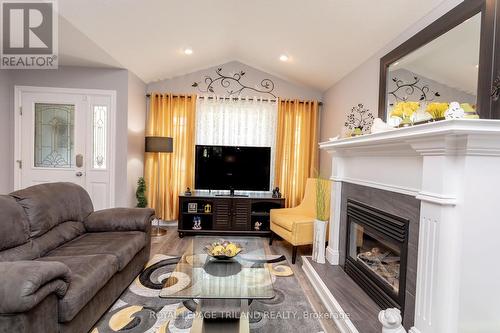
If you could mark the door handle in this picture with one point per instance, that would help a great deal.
(79, 161)
(79, 174)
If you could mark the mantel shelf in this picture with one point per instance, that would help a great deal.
(404, 136)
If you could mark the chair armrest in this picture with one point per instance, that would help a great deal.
(283, 211)
(120, 219)
(24, 284)
(303, 232)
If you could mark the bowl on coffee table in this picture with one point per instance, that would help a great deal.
(223, 249)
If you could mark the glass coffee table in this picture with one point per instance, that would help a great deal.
(223, 287)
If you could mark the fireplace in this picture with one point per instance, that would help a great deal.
(376, 253)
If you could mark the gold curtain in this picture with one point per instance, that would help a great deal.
(296, 148)
(173, 116)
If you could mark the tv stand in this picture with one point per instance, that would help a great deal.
(226, 215)
(233, 195)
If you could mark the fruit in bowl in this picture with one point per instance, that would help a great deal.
(223, 249)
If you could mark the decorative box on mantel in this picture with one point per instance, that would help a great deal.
(453, 168)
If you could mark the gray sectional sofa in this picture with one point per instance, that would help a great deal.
(62, 265)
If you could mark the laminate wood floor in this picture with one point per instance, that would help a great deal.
(171, 244)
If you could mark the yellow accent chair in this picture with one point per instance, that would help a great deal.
(296, 225)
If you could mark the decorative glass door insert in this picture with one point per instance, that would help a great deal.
(100, 122)
(54, 135)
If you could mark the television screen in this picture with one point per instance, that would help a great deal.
(229, 167)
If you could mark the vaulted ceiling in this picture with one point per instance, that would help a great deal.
(324, 39)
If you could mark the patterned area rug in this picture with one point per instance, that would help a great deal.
(140, 309)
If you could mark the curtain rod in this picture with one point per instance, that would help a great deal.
(233, 98)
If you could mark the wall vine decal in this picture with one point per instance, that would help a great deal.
(233, 84)
(410, 88)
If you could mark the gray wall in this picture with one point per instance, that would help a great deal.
(6, 133)
(361, 86)
(253, 77)
(136, 129)
(83, 78)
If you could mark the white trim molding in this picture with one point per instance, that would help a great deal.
(332, 256)
(452, 167)
(437, 198)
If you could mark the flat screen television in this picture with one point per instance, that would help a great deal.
(232, 168)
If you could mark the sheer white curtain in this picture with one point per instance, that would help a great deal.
(237, 122)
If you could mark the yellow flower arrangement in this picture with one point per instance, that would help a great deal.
(405, 110)
(437, 110)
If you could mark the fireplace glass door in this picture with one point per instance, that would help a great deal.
(376, 254)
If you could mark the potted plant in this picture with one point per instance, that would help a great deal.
(405, 111)
(140, 193)
(322, 216)
(437, 110)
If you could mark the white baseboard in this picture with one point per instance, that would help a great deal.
(332, 256)
(341, 319)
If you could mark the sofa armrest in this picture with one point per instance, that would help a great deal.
(24, 284)
(120, 219)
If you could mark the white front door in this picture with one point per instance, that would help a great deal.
(64, 135)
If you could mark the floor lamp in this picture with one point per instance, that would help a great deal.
(159, 145)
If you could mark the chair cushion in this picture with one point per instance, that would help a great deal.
(287, 221)
(124, 245)
(14, 227)
(47, 205)
(89, 273)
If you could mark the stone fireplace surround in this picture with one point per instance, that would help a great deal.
(452, 168)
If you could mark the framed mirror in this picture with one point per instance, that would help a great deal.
(449, 61)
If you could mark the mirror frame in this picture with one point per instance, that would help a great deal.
(456, 16)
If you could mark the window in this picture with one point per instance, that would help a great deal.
(100, 121)
(238, 122)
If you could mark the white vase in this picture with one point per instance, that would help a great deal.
(318, 254)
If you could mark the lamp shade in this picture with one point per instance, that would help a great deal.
(159, 144)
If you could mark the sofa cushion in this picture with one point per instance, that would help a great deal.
(38, 247)
(14, 227)
(57, 236)
(287, 221)
(123, 244)
(89, 273)
(22, 252)
(47, 205)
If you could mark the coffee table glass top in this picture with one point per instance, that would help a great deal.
(197, 275)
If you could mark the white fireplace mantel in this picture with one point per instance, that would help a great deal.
(453, 167)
